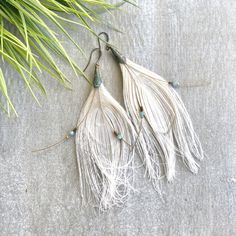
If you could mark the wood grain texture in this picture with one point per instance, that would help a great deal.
(192, 41)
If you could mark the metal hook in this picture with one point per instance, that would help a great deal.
(99, 48)
(120, 58)
(106, 40)
(90, 57)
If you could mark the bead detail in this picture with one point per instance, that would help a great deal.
(141, 114)
(119, 136)
(97, 81)
(174, 84)
(71, 133)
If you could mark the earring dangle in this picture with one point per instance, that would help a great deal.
(160, 118)
(104, 138)
(104, 148)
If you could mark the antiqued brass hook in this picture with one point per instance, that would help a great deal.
(106, 40)
(90, 57)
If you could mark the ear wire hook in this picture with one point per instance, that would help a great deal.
(106, 40)
(120, 58)
(90, 57)
(99, 48)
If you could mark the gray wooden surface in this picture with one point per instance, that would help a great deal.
(192, 41)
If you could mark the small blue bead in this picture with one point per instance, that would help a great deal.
(141, 114)
(97, 82)
(119, 136)
(72, 133)
(174, 84)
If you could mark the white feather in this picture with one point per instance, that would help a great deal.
(166, 131)
(105, 162)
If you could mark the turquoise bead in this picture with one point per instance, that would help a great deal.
(97, 81)
(141, 114)
(71, 133)
(174, 84)
(119, 136)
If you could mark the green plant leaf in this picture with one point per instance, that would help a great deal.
(28, 43)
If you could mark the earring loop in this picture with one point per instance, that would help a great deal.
(106, 40)
(90, 57)
(99, 49)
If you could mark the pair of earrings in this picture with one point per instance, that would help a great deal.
(154, 123)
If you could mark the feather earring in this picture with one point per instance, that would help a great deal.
(104, 148)
(159, 116)
(104, 139)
